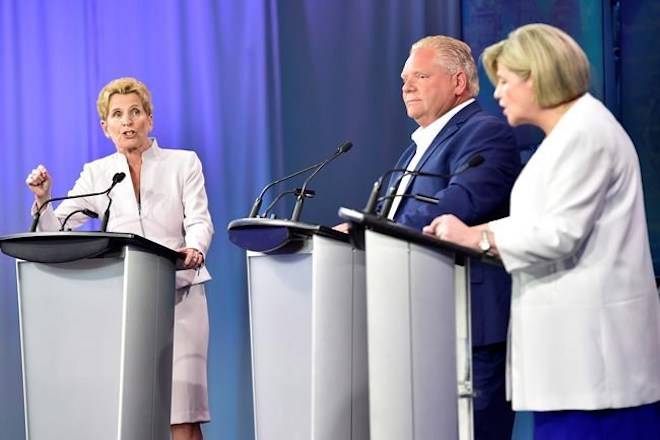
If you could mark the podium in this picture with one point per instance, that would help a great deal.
(308, 330)
(96, 314)
(418, 296)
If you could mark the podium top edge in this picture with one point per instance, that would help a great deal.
(388, 227)
(113, 238)
(304, 228)
(38, 235)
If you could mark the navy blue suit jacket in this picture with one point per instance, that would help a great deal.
(476, 196)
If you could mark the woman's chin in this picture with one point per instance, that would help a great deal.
(513, 120)
(131, 147)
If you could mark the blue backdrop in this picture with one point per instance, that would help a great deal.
(259, 88)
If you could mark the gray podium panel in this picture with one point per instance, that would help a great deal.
(308, 333)
(412, 340)
(96, 345)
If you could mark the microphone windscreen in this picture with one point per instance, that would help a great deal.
(118, 177)
(343, 148)
(90, 213)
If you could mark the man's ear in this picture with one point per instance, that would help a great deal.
(461, 83)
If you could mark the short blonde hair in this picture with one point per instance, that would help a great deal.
(123, 86)
(453, 55)
(556, 64)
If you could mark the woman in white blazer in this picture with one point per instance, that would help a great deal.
(163, 200)
(584, 337)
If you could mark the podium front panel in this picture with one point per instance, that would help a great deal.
(412, 340)
(96, 346)
(280, 324)
(71, 344)
(308, 333)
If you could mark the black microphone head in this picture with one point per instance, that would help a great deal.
(476, 160)
(90, 213)
(118, 177)
(309, 193)
(343, 148)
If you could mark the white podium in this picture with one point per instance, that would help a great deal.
(96, 313)
(418, 308)
(308, 331)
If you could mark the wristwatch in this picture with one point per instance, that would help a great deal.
(484, 243)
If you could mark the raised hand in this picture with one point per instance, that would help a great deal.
(39, 182)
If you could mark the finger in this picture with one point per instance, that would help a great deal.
(437, 221)
(37, 176)
(32, 177)
(437, 225)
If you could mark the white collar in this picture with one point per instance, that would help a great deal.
(423, 136)
(152, 151)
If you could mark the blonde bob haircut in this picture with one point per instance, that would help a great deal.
(556, 64)
(453, 55)
(123, 86)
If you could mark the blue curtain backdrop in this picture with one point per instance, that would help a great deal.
(259, 88)
(638, 89)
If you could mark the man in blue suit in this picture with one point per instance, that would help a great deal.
(439, 85)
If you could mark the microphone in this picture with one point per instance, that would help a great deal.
(474, 161)
(419, 197)
(106, 216)
(309, 193)
(118, 177)
(297, 209)
(87, 212)
(259, 200)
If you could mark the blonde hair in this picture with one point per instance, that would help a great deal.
(556, 64)
(453, 55)
(123, 86)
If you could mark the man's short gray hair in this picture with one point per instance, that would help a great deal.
(453, 55)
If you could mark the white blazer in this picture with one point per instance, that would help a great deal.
(173, 208)
(585, 315)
